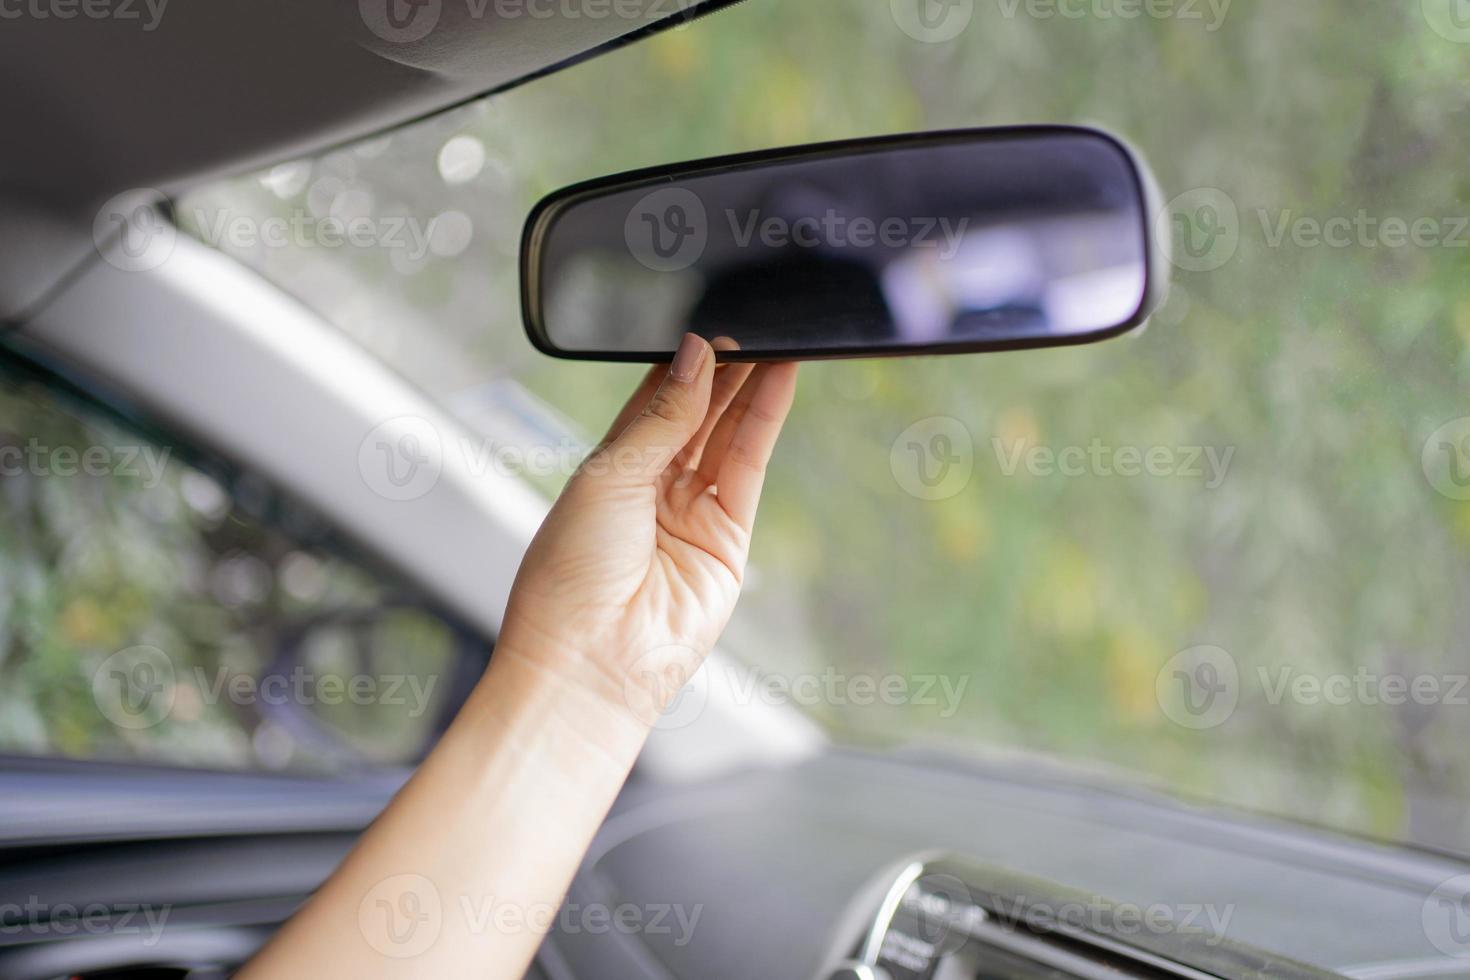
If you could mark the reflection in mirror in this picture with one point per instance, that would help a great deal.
(959, 240)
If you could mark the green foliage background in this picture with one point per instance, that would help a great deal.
(1324, 369)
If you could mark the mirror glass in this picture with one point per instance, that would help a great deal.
(919, 243)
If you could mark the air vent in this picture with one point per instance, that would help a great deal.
(952, 920)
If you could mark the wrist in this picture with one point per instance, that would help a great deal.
(633, 680)
(551, 695)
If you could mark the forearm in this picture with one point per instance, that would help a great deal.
(463, 872)
(625, 588)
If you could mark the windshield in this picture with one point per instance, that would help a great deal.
(1224, 556)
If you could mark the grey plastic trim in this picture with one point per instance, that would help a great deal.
(225, 358)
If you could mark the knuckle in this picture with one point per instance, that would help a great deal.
(762, 415)
(744, 456)
(665, 407)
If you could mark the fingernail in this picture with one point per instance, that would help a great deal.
(688, 359)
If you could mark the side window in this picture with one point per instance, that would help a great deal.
(156, 610)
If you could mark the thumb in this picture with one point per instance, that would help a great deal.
(670, 419)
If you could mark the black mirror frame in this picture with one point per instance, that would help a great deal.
(1156, 261)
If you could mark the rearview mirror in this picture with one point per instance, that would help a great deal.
(930, 243)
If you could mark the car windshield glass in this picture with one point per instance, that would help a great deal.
(1225, 556)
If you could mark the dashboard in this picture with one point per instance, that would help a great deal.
(792, 870)
(850, 866)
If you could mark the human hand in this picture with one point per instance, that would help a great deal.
(622, 593)
(636, 570)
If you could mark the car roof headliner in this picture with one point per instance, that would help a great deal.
(99, 105)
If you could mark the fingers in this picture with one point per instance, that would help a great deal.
(672, 416)
(729, 378)
(738, 456)
(646, 387)
(723, 430)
